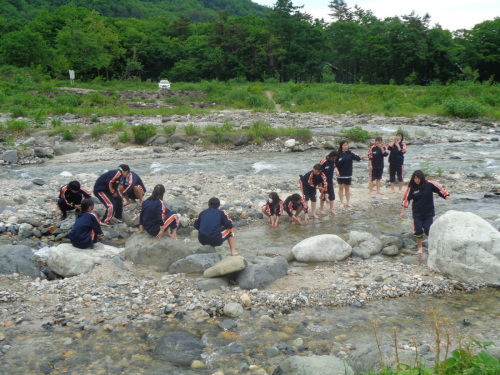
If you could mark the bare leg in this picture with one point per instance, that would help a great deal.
(341, 195)
(378, 187)
(121, 188)
(348, 195)
(400, 185)
(370, 187)
(139, 194)
(313, 210)
(321, 206)
(230, 241)
(420, 245)
(392, 187)
(332, 210)
(171, 233)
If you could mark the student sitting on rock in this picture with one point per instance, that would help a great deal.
(156, 218)
(87, 229)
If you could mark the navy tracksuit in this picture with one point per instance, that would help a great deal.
(273, 209)
(85, 231)
(344, 164)
(68, 200)
(308, 183)
(154, 215)
(130, 182)
(396, 162)
(291, 206)
(329, 169)
(214, 226)
(376, 156)
(104, 189)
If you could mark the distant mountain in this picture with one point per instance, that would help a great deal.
(196, 10)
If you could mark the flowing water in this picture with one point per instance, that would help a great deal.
(132, 349)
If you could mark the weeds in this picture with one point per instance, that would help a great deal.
(143, 132)
(191, 130)
(98, 131)
(17, 126)
(169, 129)
(357, 134)
(125, 137)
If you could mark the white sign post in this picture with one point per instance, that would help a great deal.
(72, 76)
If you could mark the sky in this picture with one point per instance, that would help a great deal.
(450, 14)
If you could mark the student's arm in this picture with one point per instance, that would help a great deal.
(406, 201)
(131, 182)
(227, 222)
(111, 184)
(436, 188)
(94, 223)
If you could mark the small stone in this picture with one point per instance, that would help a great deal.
(197, 364)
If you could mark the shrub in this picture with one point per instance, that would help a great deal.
(68, 135)
(357, 134)
(56, 122)
(117, 125)
(98, 131)
(191, 129)
(125, 137)
(259, 131)
(18, 111)
(169, 129)
(143, 132)
(17, 126)
(463, 108)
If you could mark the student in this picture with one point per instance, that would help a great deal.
(215, 226)
(156, 218)
(273, 209)
(328, 165)
(293, 206)
(344, 171)
(421, 192)
(396, 160)
(131, 187)
(309, 183)
(106, 190)
(71, 197)
(376, 156)
(87, 229)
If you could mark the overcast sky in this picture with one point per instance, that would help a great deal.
(450, 14)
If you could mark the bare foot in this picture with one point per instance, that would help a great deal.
(380, 193)
(126, 203)
(420, 250)
(315, 216)
(371, 192)
(342, 205)
(393, 192)
(234, 253)
(333, 212)
(349, 205)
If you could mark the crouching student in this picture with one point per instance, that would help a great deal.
(71, 197)
(273, 209)
(156, 218)
(106, 190)
(293, 206)
(215, 226)
(421, 192)
(131, 188)
(309, 183)
(87, 229)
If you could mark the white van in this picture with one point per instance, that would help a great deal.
(164, 84)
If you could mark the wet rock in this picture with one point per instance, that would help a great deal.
(226, 266)
(314, 365)
(18, 259)
(39, 181)
(42, 152)
(145, 249)
(364, 244)
(465, 247)
(180, 348)
(195, 263)
(322, 248)
(233, 309)
(211, 284)
(10, 156)
(410, 260)
(391, 241)
(256, 276)
(290, 143)
(177, 146)
(390, 250)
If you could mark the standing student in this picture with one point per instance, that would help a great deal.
(131, 187)
(273, 209)
(421, 192)
(328, 165)
(87, 229)
(71, 197)
(309, 183)
(294, 205)
(344, 171)
(215, 226)
(396, 161)
(376, 156)
(106, 190)
(156, 218)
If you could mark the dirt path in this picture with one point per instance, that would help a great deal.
(277, 107)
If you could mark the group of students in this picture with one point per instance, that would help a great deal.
(119, 187)
(320, 178)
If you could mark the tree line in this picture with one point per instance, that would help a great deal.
(285, 45)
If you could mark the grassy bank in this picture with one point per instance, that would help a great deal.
(31, 94)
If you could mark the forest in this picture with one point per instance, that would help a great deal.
(223, 41)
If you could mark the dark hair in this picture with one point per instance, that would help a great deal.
(342, 142)
(420, 175)
(378, 139)
(124, 168)
(295, 197)
(85, 206)
(275, 197)
(74, 185)
(158, 192)
(333, 154)
(214, 202)
(402, 136)
(318, 167)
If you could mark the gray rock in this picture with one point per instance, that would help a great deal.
(240, 140)
(211, 284)
(39, 181)
(284, 252)
(25, 230)
(290, 143)
(177, 146)
(314, 365)
(145, 249)
(233, 309)
(465, 247)
(41, 152)
(179, 347)
(160, 140)
(18, 259)
(205, 249)
(196, 263)
(330, 145)
(10, 156)
(322, 248)
(182, 206)
(364, 244)
(7, 208)
(390, 250)
(256, 276)
(68, 261)
(410, 260)
(390, 241)
(409, 244)
(175, 138)
(64, 148)
(226, 266)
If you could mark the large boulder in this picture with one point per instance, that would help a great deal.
(263, 273)
(64, 148)
(195, 263)
(364, 244)
(10, 156)
(18, 259)
(322, 248)
(314, 365)
(145, 249)
(226, 266)
(465, 247)
(67, 260)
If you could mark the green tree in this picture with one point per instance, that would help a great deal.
(24, 48)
